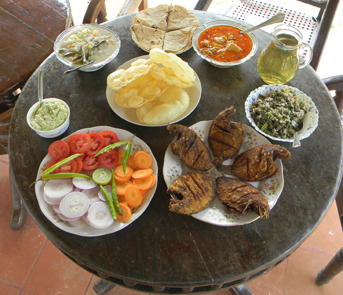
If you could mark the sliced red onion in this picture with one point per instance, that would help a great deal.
(99, 215)
(108, 189)
(84, 183)
(74, 205)
(56, 189)
(52, 201)
(76, 189)
(62, 217)
(79, 222)
(56, 209)
(92, 194)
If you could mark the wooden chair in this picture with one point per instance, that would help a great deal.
(315, 30)
(335, 266)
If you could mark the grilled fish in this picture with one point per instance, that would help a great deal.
(225, 137)
(190, 148)
(257, 163)
(240, 197)
(194, 192)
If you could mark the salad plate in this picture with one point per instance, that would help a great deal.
(216, 213)
(129, 114)
(81, 228)
(311, 118)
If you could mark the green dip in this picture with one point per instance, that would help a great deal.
(49, 116)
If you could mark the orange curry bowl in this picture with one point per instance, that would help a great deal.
(222, 44)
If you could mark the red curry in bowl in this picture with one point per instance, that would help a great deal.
(224, 44)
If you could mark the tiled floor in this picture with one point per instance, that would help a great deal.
(31, 265)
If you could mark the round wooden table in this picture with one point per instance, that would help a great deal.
(164, 251)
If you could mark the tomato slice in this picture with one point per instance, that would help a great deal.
(52, 162)
(109, 159)
(97, 143)
(79, 143)
(70, 167)
(79, 163)
(59, 150)
(109, 136)
(90, 163)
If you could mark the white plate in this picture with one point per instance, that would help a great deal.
(81, 228)
(216, 213)
(129, 114)
(311, 118)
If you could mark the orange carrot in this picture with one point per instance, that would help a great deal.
(121, 186)
(122, 179)
(141, 173)
(121, 199)
(120, 173)
(133, 195)
(131, 163)
(126, 212)
(143, 191)
(143, 183)
(154, 180)
(142, 159)
(120, 154)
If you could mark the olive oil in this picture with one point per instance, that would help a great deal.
(279, 62)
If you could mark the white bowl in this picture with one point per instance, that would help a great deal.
(50, 133)
(94, 66)
(228, 23)
(311, 118)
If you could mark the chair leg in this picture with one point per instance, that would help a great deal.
(19, 213)
(241, 290)
(102, 287)
(334, 267)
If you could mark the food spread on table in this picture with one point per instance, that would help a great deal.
(224, 43)
(279, 113)
(196, 190)
(167, 27)
(154, 87)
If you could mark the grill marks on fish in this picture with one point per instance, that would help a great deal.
(195, 192)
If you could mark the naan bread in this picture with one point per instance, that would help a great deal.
(179, 17)
(148, 38)
(155, 17)
(179, 40)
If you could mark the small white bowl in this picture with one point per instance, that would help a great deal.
(227, 23)
(311, 118)
(50, 133)
(94, 66)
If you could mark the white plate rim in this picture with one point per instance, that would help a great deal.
(311, 118)
(215, 214)
(84, 229)
(129, 114)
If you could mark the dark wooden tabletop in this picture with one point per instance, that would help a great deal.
(28, 31)
(166, 249)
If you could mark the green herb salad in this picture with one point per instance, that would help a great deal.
(279, 114)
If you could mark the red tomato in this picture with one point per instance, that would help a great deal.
(52, 162)
(70, 167)
(109, 136)
(109, 159)
(59, 150)
(90, 163)
(79, 143)
(97, 143)
(79, 163)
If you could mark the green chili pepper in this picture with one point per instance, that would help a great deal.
(127, 153)
(109, 202)
(59, 164)
(65, 175)
(115, 197)
(111, 147)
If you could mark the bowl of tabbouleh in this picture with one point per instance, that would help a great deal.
(278, 111)
(49, 120)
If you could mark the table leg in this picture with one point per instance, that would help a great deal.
(19, 213)
(102, 287)
(241, 290)
(334, 267)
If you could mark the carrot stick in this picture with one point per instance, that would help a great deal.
(142, 159)
(141, 173)
(133, 195)
(143, 183)
(126, 211)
